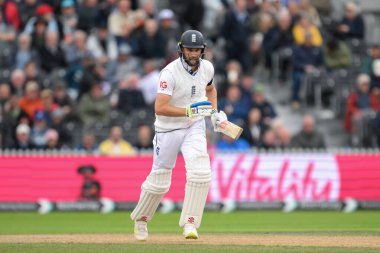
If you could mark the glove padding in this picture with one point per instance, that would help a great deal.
(217, 118)
(202, 108)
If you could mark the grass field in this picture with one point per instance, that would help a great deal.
(237, 232)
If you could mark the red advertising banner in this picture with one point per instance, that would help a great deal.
(242, 177)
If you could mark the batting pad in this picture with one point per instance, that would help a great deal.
(198, 181)
(154, 187)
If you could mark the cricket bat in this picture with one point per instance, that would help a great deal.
(230, 129)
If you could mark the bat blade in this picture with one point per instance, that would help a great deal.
(230, 129)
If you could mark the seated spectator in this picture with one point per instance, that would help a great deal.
(12, 116)
(308, 137)
(294, 11)
(375, 77)
(268, 140)
(235, 108)
(25, 53)
(76, 50)
(227, 143)
(304, 27)
(169, 29)
(130, 97)
(256, 51)
(52, 140)
(236, 31)
(126, 62)
(337, 55)
(39, 34)
(307, 7)
(144, 138)
(68, 19)
(88, 144)
(306, 59)
(265, 10)
(254, 128)
(367, 66)
(260, 102)
(23, 140)
(45, 12)
(362, 105)
(371, 66)
(47, 104)
(39, 130)
(62, 98)
(106, 8)
(247, 85)
(7, 39)
(93, 73)
(34, 73)
(101, 44)
(94, 107)
(103, 47)
(282, 134)
(17, 82)
(91, 188)
(10, 13)
(87, 13)
(31, 101)
(151, 42)
(121, 14)
(233, 73)
(51, 53)
(352, 25)
(115, 144)
(5, 93)
(128, 37)
(279, 40)
(148, 82)
(58, 123)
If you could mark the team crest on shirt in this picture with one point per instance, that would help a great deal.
(193, 90)
(158, 150)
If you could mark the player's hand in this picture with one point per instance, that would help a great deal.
(202, 108)
(217, 118)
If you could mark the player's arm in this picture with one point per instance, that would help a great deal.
(211, 95)
(163, 108)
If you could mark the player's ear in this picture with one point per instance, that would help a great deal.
(179, 48)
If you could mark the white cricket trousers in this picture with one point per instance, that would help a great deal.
(191, 142)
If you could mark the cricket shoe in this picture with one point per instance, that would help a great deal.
(141, 230)
(189, 231)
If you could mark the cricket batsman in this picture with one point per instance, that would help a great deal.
(186, 95)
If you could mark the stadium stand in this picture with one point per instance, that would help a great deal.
(103, 57)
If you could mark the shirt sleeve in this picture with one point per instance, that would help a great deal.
(166, 84)
(211, 72)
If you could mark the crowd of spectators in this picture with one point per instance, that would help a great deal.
(74, 73)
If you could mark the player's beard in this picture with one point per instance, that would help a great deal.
(192, 62)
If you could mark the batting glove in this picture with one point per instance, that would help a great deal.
(202, 108)
(217, 118)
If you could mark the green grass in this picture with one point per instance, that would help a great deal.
(213, 222)
(359, 223)
(141, 248)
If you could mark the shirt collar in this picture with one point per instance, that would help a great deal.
(188, 68)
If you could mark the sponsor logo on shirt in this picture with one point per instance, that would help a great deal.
(163, 85)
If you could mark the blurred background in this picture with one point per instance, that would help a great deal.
(78, 83)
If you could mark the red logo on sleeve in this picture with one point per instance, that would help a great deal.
(163, 85)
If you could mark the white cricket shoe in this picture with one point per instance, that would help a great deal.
(141, 230)
(189, 231)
